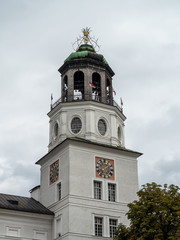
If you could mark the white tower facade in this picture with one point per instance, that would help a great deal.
(88, 176)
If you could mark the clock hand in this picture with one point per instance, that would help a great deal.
(104, 168)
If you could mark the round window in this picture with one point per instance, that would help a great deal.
(76, 125)
(102, 127)
(56, 129)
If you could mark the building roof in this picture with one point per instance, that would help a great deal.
(105, 145)
(86, 50)
(84, 56)
(24, 204)
(77, 139)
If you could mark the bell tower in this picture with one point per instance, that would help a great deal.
(86, 108)
(88, 176)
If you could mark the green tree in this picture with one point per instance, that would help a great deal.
(155, 216)
(122, 232)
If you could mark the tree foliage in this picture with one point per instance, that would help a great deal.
(155, 216)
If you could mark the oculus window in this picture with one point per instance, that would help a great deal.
(76, 125)
(102, 127)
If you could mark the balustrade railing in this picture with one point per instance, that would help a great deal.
(87, 97)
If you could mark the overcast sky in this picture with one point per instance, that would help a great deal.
(140, 39)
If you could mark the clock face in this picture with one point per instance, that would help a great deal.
(105, 168)
(54, 172)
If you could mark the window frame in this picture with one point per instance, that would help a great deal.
(112, 228)
(42, 233)
(11, 230)
(96, 194)
(98, 232)
(76, 129)
(59, 191)
(112, 192)
(102, 127)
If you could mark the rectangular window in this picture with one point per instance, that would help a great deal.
(13, 231)
(112, 226)
(98, 226)
(58, 227)
(40, 235)
(111, 192)
(97, 190)
(59, 191)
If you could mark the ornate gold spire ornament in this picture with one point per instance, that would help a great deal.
(86, 39)
(86, 32)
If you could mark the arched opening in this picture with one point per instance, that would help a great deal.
(78, 85)
(108, 90)
(119, 134)
(56, 129)
(65, 88)
(96, 91)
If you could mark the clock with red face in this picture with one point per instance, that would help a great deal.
(54, 172)
(105, 168)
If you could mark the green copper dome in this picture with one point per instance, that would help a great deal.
(86, 51)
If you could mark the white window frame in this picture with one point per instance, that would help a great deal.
(82, 124)
(115, 197)
(115, 219)
(11, 229)
(40, 232)
(101, 189)
(100, 217)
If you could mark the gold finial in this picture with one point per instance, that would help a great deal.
(86, 32)
(86, 38)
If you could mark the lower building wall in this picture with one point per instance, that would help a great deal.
(82, 219)
(26, 226)
(75, 217)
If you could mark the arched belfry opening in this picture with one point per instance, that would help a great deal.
(65, 88)
(108, 90)
(78, 85)
(96, 91)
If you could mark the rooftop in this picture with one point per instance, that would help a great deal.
(25, 204)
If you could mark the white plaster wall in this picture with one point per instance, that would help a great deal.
(36, 194)
(83, 207)
(82, 216)
(61, 210)
(77, 208)
(27, 223)
(48, 191)
(82, 172)
(89, 113)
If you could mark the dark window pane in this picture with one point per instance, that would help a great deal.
(112, 226)
(111, 192)
(102, 127)
(97, 190)
(76, 125)
(98, 226)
